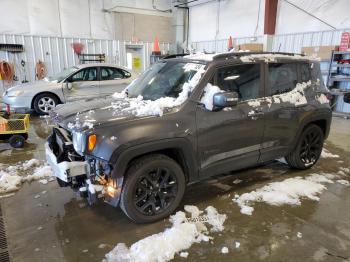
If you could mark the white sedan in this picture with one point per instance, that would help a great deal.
(85, 81)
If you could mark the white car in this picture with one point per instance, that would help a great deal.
(75, 83)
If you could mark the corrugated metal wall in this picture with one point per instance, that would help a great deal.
(57, 53)
(283, 43)
(221, 45)
(294, 42)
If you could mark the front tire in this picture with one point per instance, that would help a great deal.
(308, 149)
(44, 103)
(153, 189)
(17, 141)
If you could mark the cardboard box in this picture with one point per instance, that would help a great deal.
(254, 47)
(323, 52)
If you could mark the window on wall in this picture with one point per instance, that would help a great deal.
(87, 74)
(243, 79)
(283, 77)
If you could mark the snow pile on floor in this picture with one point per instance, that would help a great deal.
(209, 92)
(179, 237)
(12, 177)
(326, 154)
(287, 192)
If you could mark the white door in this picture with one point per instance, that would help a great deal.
(113, 80)
(82, 85)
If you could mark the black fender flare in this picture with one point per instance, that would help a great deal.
(324, 115)
(121, 157)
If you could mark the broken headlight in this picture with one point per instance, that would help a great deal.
(78, 142)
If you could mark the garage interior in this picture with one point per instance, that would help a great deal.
(41, 221)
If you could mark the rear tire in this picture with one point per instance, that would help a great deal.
(153, 188)
(308, 148)
(16, 141)
(44, 103)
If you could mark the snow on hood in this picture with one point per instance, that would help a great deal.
(183, 233)
(121, 107)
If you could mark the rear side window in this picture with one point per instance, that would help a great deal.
(305, 73)
(283, 77)
(243, 79)
(110, 73)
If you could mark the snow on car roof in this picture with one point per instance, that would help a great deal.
(247, 56)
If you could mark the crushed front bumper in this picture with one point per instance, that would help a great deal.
(65, 170)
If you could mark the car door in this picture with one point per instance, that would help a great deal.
(230, 138)
(82, 85)
(113, 80)
(282, 114)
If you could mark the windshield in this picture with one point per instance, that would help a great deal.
(63, 74)
(163, 79)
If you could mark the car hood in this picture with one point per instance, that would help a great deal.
(85, 114)
(37, 86)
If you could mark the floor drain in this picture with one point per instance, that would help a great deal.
(4, 254)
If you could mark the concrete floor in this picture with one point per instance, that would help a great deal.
(73, 231)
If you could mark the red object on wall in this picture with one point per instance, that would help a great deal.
(344, 41)
(77, 47)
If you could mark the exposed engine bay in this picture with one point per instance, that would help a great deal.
(90, 176)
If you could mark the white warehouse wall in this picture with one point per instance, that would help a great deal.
(291, 20)
(70, 18)
(238, 17)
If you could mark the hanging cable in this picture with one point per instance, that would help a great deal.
(257, 21)
(303, 10)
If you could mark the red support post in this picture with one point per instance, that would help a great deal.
(270, 17)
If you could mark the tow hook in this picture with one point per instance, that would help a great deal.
(90, 191)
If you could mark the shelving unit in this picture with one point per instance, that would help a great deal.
(339, 79)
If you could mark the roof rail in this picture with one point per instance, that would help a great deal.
(238, 54)
(174, 56)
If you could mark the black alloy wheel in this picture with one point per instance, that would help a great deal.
(153, 188)
(308, 148)
(155, 191)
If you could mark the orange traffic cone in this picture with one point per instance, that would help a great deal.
(230, 44)
(156, 49)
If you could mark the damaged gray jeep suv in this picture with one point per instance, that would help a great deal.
(187, 118)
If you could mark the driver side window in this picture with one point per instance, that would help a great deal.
(86, 74)
(243, 79)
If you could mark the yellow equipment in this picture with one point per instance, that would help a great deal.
(14, 128)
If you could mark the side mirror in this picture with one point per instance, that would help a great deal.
(225, 99)
(69, 85)
(346, 98)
